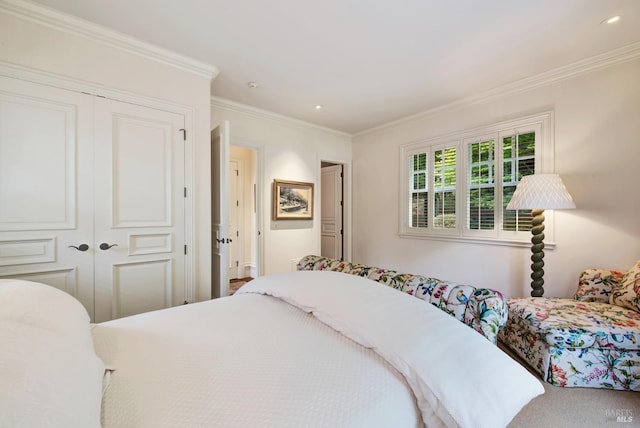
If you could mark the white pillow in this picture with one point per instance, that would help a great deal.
(43, 306)
(50, 375)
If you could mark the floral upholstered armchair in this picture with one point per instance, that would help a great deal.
(482, 309)
(592, 340)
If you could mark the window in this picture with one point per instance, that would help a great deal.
(458, 187)
(418, 190)
(444, 188)
(481, 185)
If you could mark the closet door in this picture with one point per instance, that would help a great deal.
(46, 180)
(139, 209)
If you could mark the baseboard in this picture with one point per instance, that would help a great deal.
(249, 270)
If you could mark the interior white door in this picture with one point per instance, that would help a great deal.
(139, 209)
(331, 212)
(220, 210)
(46, 196)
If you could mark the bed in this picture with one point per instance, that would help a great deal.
(308, 348)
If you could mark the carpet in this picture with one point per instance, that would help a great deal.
(562, 407)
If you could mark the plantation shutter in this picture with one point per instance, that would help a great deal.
(418, 191)
(481, 185)
(444, 188)
(518, 154)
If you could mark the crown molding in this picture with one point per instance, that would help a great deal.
(97, 33)
(42, 77)
(226, 104)
(617, 56)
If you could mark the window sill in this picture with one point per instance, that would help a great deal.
(483, 241)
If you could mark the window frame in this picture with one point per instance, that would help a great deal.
(442, 145)
(542, 123)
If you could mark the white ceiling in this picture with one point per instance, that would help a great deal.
(367, 62)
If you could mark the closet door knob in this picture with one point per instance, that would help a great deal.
(105, 246)
(81, 247)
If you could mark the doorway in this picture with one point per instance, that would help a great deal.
(243, 218)
(236, 214)
(332, 232)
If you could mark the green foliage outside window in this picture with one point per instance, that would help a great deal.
(419, 195)
(481, 185)
(518, 160)
(518, 155)
(444, 187)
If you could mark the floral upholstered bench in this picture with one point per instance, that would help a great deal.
(592, 340)
(482, 309)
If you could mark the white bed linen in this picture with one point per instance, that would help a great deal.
(458, 377)
(50, 375)
(245, 361)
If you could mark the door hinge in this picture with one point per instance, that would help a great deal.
(340, 231)
(237, 263)
(237, 173)
(237, 233)
(185, 250)
(341, 203)
(184, 134)
(185, 192)
(237, 203)
(341, 175)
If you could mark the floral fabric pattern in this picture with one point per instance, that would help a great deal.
(576, 343)
(596, 285)
(482, 309)
(627, 292)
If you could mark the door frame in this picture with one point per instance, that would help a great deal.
(347, 203)
(259, 202)
(67, 83)
(259, 149)
(336, 171)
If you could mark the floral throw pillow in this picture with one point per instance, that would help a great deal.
(596, 285)
(627, 292)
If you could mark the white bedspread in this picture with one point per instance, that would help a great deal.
(458, 377)
(257, 360)
(245, 361)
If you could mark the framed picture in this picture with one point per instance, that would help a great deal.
(292, 200)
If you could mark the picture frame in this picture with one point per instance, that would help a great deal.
(292, 200)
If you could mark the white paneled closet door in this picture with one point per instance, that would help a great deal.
(92, 198)
(139, 209)
(46, 187)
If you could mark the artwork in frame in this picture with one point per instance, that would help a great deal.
(292, 200)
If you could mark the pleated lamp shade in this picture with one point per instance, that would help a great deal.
(541, 192)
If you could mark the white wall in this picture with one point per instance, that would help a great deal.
(49, 48)
(291, 150)
(597, 150)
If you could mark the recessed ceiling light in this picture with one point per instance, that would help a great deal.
(611, 20)
(252, 85)
(318, 107)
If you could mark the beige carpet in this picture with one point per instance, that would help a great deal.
(579, 408)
